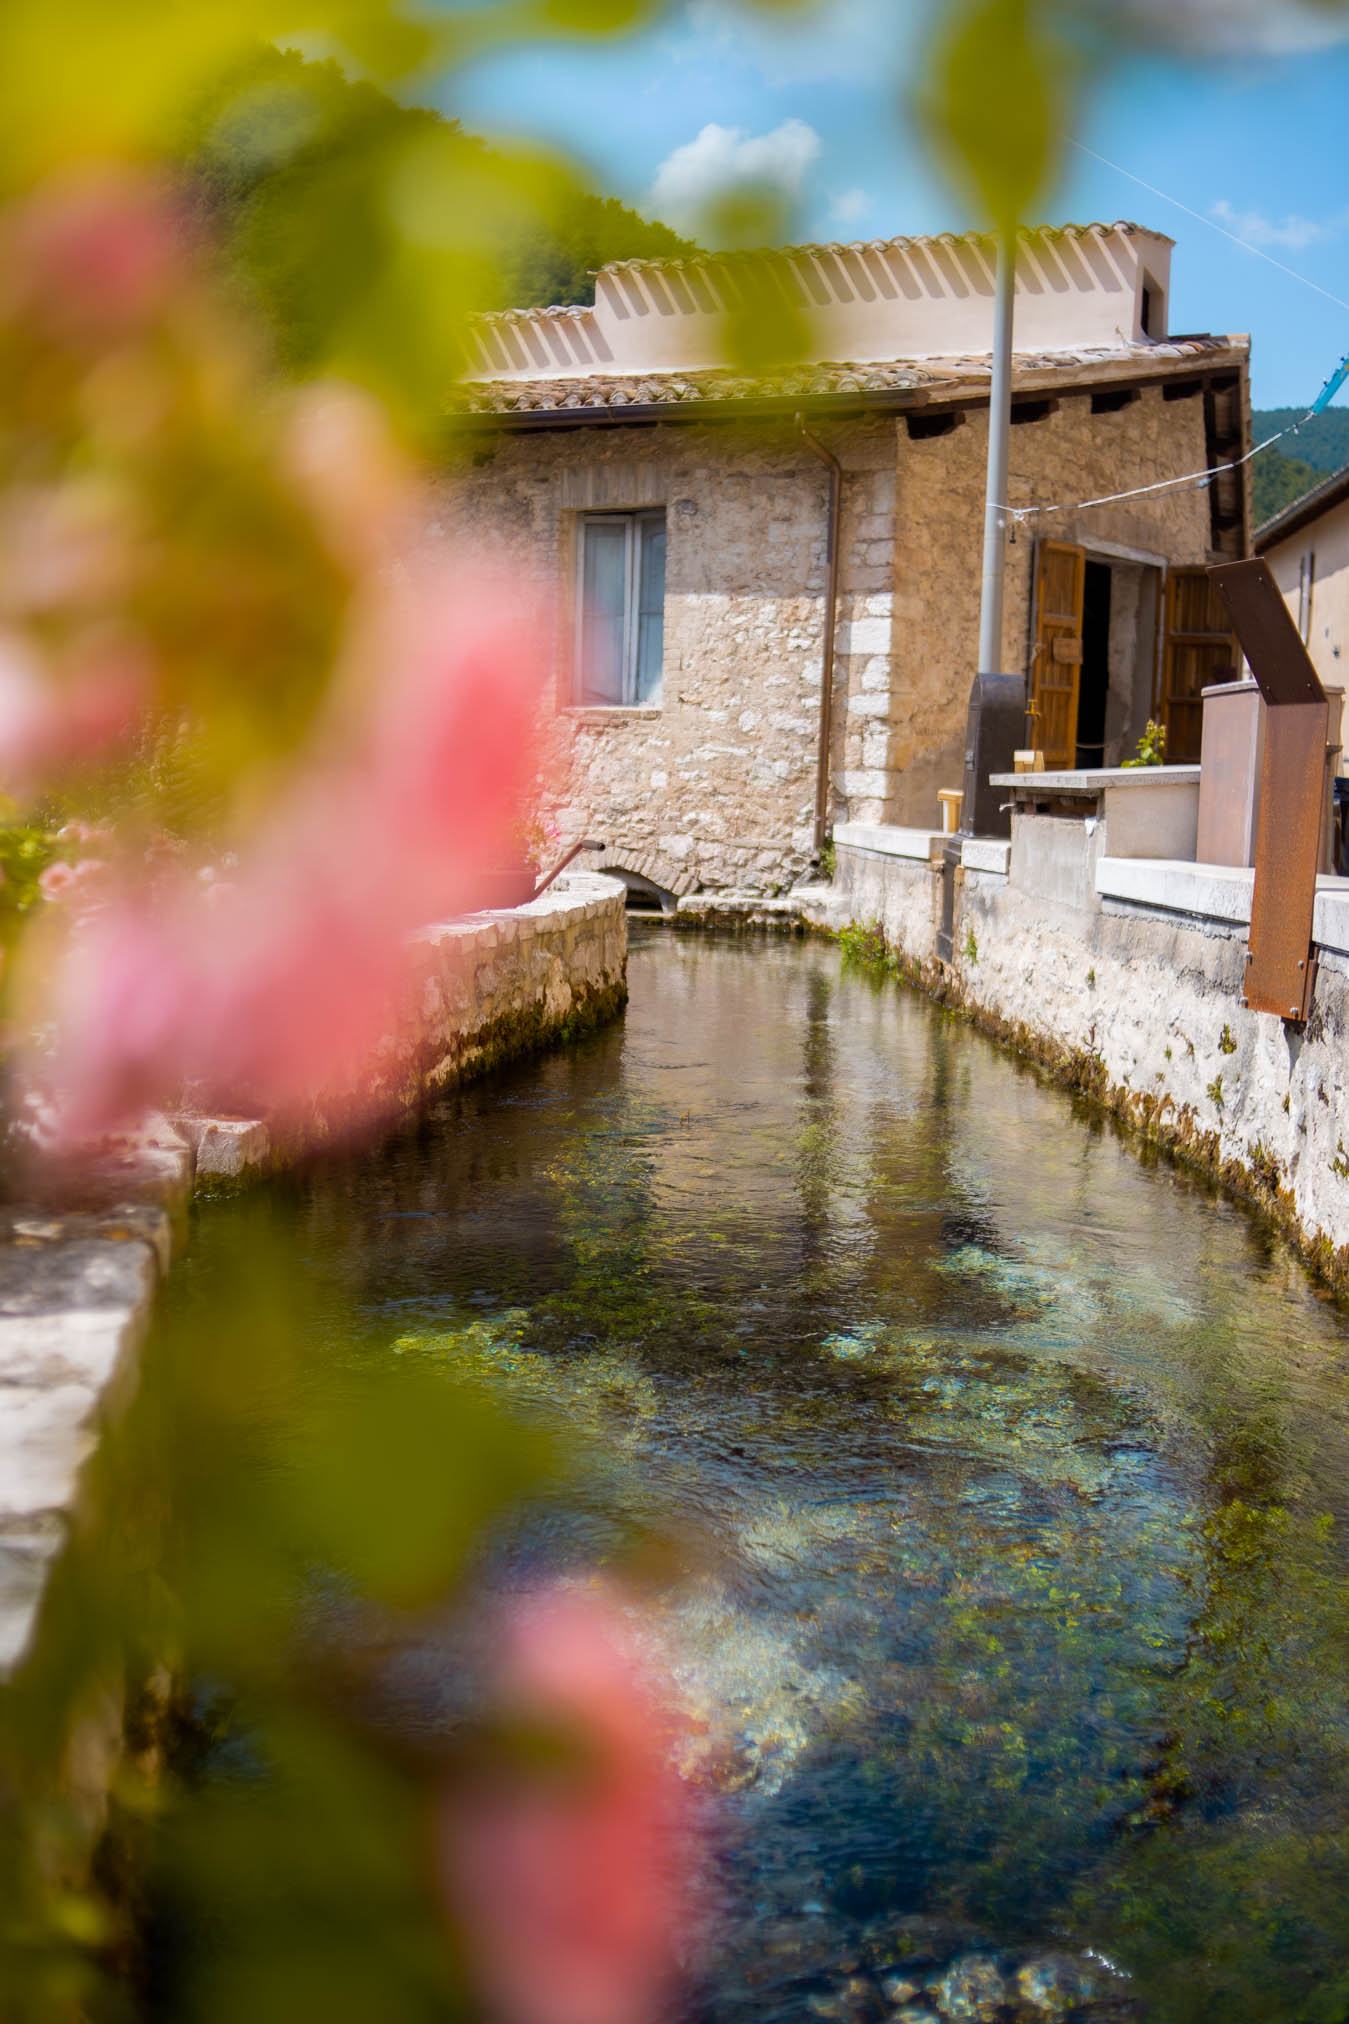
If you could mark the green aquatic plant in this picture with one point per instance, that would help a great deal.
(1214, 1871)
(866, 946)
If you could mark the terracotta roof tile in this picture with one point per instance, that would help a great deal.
(935, 377)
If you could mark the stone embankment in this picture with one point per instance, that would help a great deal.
(482, 991)
(78, 1270)
(1124, 976)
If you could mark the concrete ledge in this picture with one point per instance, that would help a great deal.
(886, 841)
(987, 853)
(1330, 920)
(1149, 811)
(75, 1294)
(1209, 892)
(1091, 782)
(1124, 975)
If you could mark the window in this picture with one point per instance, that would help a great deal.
(1306, 586)
(620, 617)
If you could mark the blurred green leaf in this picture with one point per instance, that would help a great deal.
(80, 80)
(366, 232)
(395, 1478)
(995, 100)
(767, 321)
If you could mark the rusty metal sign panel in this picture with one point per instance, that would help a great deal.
(1292, 790)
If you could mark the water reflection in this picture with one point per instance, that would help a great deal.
(993, 1460)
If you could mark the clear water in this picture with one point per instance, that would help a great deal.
(992, 1463)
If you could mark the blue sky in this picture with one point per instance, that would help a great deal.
(1252, 136)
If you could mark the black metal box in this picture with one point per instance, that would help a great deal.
(994, 731)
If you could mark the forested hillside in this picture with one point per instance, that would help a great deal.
(258, 158)
(1299, 462)
(1323, 442)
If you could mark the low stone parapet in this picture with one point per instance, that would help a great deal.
(496, 984)
(501, 984)
(78, 1271)
(77, 1279)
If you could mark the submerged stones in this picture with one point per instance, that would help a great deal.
(912, 1971)
(971, 1989)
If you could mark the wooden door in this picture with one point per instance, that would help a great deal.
(1199, 650)
(1057, 657)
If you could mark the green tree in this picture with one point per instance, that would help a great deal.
(288, 164)
(1277, 481)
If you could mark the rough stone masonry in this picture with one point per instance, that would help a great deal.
(713, 785)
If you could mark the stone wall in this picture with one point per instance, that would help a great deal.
(1069, 455)
(716, 783)
(80, 1263)
(1135, 996)
(713, 787)
(500, 985)
(481, 990)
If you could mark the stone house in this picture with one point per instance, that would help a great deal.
(1307, 549)
(679, 517)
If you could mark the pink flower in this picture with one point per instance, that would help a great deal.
(92, 252)
(339, 456)
(571, 1878)
(54, 717)
(73, 882)
(278, 988)
(86, 833)
(55, 880)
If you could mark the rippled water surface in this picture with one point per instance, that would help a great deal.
(995, 1461)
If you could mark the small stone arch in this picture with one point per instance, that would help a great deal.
(650, 879)
(643, 891)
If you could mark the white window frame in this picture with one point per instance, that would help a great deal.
(632, 563)
(1306, 591)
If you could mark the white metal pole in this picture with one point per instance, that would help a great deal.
(999, 428)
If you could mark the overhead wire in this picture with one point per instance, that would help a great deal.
(1019, 515)
(1212, 224)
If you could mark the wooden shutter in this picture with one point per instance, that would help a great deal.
(1057, 659)
(1199, 651)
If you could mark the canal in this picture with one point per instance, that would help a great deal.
(994, 1479)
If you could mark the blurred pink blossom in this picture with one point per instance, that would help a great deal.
(50, 718)
(64, 546)
(78, 884)
(94, 252)
(277, 987)
(85, 833)
(572, 1881)
(339, 456)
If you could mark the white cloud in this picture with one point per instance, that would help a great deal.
(1291, 231)
(849, 206)
(722, 157)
